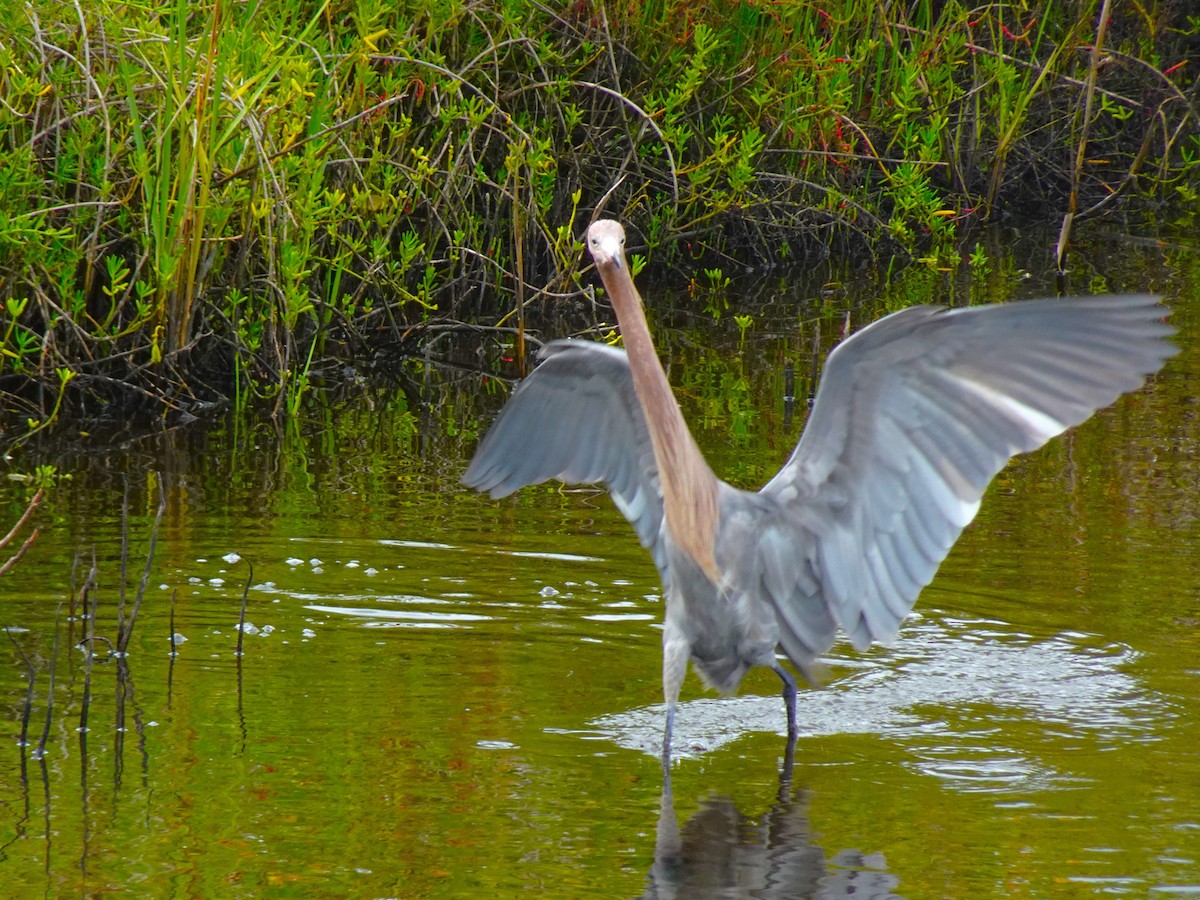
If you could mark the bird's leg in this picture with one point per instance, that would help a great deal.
(675, 660)
(666, 748)
(789, 700)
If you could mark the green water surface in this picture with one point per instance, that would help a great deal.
(448, 696)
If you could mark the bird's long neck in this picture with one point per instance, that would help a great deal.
(688, 484)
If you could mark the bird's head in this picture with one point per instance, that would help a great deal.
(606, 243)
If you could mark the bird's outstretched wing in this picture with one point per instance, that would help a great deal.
(577, 418)
(914, 416)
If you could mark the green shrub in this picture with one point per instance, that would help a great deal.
(209, 201)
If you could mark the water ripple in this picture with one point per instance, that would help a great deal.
(399, 618)
(950, 681)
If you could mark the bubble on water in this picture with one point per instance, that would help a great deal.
(248, 628)
(231, 557)
(308, 633)
(548, 591)
(293, 561)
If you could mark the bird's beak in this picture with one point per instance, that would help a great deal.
(610, 246)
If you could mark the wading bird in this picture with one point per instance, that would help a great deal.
(914, 416)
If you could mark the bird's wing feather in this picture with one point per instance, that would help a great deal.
(577, 418)
(914, 416)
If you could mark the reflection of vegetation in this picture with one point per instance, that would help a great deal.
(242, 193)
(720, 390)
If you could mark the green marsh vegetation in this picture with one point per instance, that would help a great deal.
(215, 203)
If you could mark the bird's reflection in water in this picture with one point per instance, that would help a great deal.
(720, 852)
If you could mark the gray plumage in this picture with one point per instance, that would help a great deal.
(576, 418)
(915, 414)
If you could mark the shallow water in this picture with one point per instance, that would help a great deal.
(442, 695)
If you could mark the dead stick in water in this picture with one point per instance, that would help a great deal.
(242, 617)
(89, 642)
(124, 636)
(12, 560)
(91, 598)
(33, 504)
(25, 716)
(40, 753)
(124, 566)
(171, 625)
(174, 653)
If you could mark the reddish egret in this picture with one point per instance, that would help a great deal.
(914, 416)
